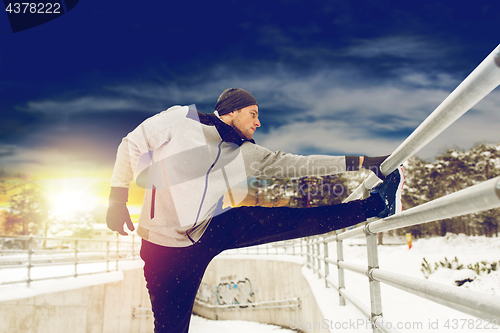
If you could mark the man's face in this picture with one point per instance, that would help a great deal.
(246, 121)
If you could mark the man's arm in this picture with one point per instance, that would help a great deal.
(148, 136)
(127, 157)
(262, 162)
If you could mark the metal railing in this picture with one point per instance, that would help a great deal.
(280, 304)
(484, 196)
(73, 255)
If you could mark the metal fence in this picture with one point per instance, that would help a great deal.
(484, 196)
(30, 259)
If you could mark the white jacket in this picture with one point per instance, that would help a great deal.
(191, 160)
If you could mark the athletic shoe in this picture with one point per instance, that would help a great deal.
(390, 192)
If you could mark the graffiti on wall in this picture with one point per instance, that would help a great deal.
(205, 293)
(240, 292)
(227, 293)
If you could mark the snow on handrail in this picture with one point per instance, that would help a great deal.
(467, 301)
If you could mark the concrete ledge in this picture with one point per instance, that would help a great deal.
(250, 281)
(95, 303)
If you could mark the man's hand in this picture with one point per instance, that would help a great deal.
(373, 164)
(117, 216)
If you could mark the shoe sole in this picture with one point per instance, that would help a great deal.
(398, 202)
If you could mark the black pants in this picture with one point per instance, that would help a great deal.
(173, 274)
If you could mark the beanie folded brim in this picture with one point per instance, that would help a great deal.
(233, 99)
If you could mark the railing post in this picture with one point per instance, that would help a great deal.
(327, 265)
(76, 257)
(308, 253)
(318, 255)
(340, 257)
(117, 250)
(30, 252)
(311, 247)
(133, 247)
(313, 252)
(375, 292)
(107, 255)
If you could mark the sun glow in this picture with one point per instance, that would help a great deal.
(71, 196)
(68, 203)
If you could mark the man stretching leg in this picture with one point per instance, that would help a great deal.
(191, 160)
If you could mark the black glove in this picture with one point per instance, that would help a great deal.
(118, 214)
(373, 164)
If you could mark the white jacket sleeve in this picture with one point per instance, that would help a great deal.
(262, 162)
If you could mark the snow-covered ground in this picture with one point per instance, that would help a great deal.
(404, 311)
(202, 325)
(414, 314)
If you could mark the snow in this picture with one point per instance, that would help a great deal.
(16, 273)
(202, 325)
(463, 274)
(413, 313)
(487, 284)
(407, 312)
(339, 318)
(10, 292)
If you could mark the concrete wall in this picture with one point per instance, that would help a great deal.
(107, 302)
(237, 279)
(91, 304)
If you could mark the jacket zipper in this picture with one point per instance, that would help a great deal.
(204, 192)
(153, 196)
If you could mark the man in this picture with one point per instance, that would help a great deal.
(193, 159)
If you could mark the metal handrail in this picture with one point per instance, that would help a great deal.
(294, 302)
(76, 256)
(467, 301)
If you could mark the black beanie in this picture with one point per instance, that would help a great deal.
(233, 99)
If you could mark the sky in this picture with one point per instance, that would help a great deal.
(331, 77)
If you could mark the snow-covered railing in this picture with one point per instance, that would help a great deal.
(31, 252)
(484, 196)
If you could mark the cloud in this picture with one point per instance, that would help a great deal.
(325, 137)
(54, 161)
(407, 47)
(84, 104)
(307, 47)
(335, 108)
(7, 150)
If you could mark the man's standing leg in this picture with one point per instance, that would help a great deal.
(173, 275)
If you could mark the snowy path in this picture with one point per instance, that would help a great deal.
(202, 325)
